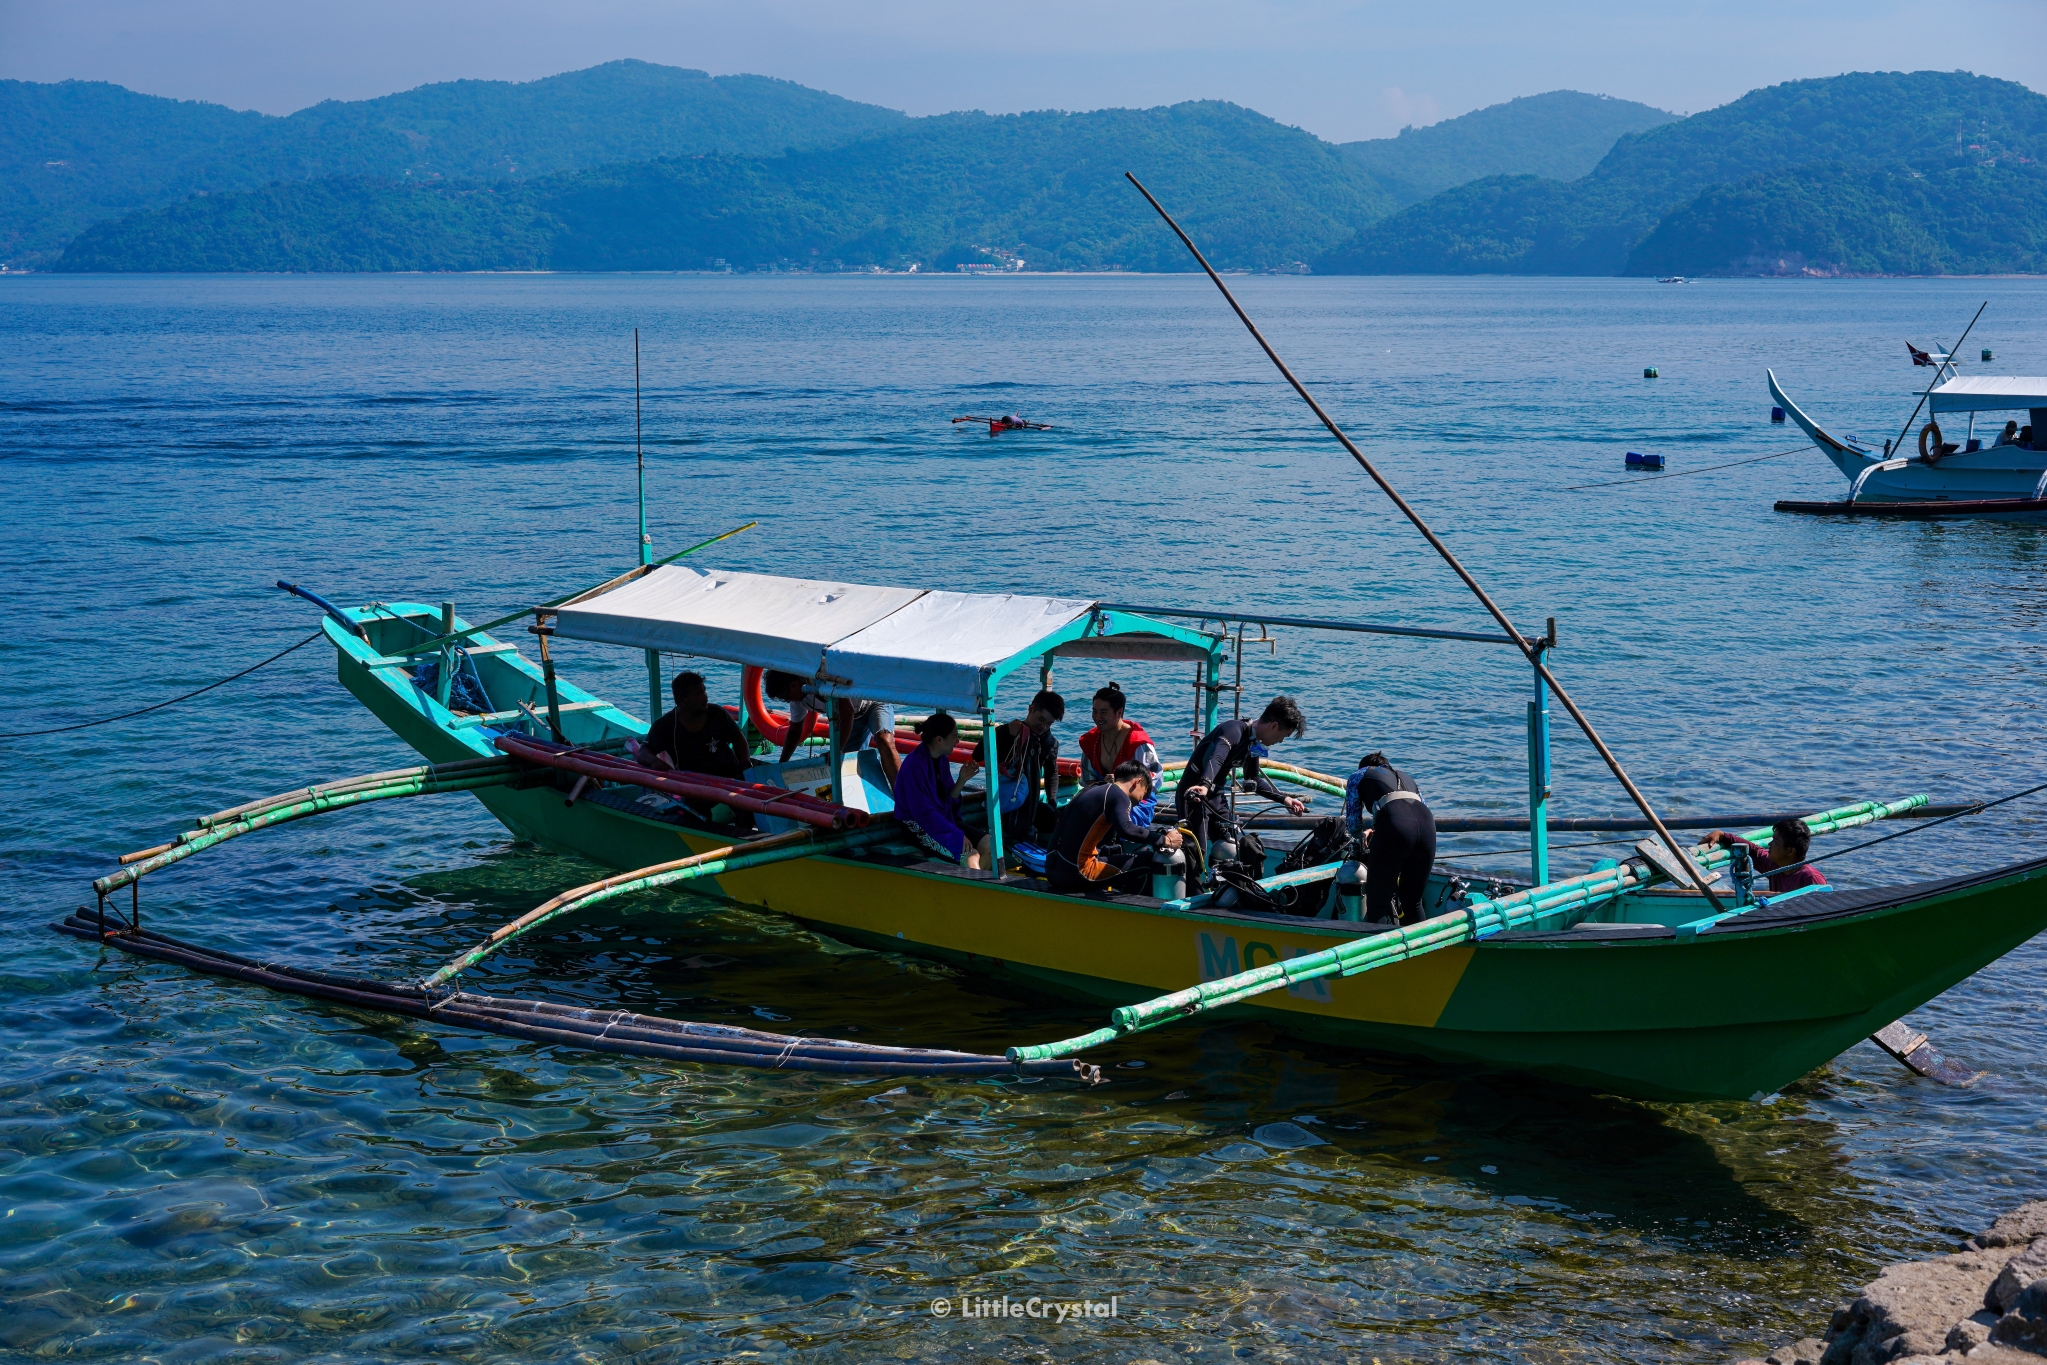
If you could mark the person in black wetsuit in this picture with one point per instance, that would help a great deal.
(697, 737)
(1202, 797)
(1400, 844)
(1075, 864)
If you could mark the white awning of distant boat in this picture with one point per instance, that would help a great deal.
(1990, 393)
(892, 644)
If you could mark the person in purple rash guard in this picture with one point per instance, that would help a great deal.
(924, 793)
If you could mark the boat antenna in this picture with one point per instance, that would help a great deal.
(1532, 650)
(640, 455)
(1939, 372)
(646, 541)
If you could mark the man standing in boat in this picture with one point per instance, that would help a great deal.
(860, 722)
(1203, 795)
(1400, 845)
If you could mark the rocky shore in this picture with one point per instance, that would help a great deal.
(1987, 1303)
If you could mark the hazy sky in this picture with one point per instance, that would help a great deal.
(1341, 70)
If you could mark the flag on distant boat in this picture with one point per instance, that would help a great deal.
(1919, 357)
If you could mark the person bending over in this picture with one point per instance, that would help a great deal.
(697, 737)
(1789, 841)
(861, 722)
(1400, 844)
(927, 797)
(1115, 741)
(1202, 797)
(1027, 764)
(1076, 865)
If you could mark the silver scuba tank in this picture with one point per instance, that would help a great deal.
(1169, 875)
(1350, 890)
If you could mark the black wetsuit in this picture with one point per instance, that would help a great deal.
(1075, 863)
(1403, 846)
(1225, 749)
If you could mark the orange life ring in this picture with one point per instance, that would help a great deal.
(1929, 441)
(773, 725)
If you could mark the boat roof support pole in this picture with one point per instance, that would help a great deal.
(1528, 648)
(991, 774)
(654, 698)
(1539, 774)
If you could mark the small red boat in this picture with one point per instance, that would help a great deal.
(997, 425)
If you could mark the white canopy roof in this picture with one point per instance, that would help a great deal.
(891, 644)
(1990, 393)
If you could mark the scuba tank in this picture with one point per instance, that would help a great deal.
(1169, 875)
(1350, 890)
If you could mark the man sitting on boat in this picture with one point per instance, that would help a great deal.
(925, 793)
(1789, 840)
(697, 737)
(1400, 845)
(1202, 798)
(861, 722)
(1027, 764)
(2008, 437)
(1076, 863)
(1115, 741)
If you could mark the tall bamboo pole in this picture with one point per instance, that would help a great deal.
(1528, 648)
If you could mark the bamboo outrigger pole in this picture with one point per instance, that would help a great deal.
(1528, 649)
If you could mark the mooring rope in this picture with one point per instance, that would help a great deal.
(130, 715)
(1640, 482)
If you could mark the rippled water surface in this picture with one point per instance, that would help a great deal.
(195, 1170)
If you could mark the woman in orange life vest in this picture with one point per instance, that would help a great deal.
(1115, 741)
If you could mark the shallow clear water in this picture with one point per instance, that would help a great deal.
(196, 1170)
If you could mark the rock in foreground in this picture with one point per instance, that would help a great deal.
(1986, 1303)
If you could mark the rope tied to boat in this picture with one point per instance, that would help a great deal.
(198, 691)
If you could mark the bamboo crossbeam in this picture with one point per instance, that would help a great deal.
(198, 840)
(1481, 919)
(732, 858)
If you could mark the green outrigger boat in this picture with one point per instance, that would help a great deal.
(1616, 980)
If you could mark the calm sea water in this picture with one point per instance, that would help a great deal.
(193, 1170)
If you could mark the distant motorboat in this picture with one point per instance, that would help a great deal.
(2001, 476)
(1673, 279)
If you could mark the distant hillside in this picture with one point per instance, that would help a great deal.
(1562, 135)
(1047, 187)
(959, 187)
(1837, 220)
(80, 152)
(1928, 122)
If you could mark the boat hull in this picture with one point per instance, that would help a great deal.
(1629, 1008)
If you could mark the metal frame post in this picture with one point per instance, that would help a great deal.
(838, 747)
(992, 774)
(1539, 771)
(654, 699)
(444, 684)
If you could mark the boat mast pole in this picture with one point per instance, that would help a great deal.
(1939, 371)
(1530, 649)
(654, 706)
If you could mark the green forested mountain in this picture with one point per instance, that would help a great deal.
(1925, 122)
(1561, 135)
(79, 152)
(1046, 187)
(1831, 220)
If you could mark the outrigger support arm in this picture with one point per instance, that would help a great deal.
(424, 780)
(1531, 649)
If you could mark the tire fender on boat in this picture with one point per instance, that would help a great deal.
(773, 725)
(1929, 443)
